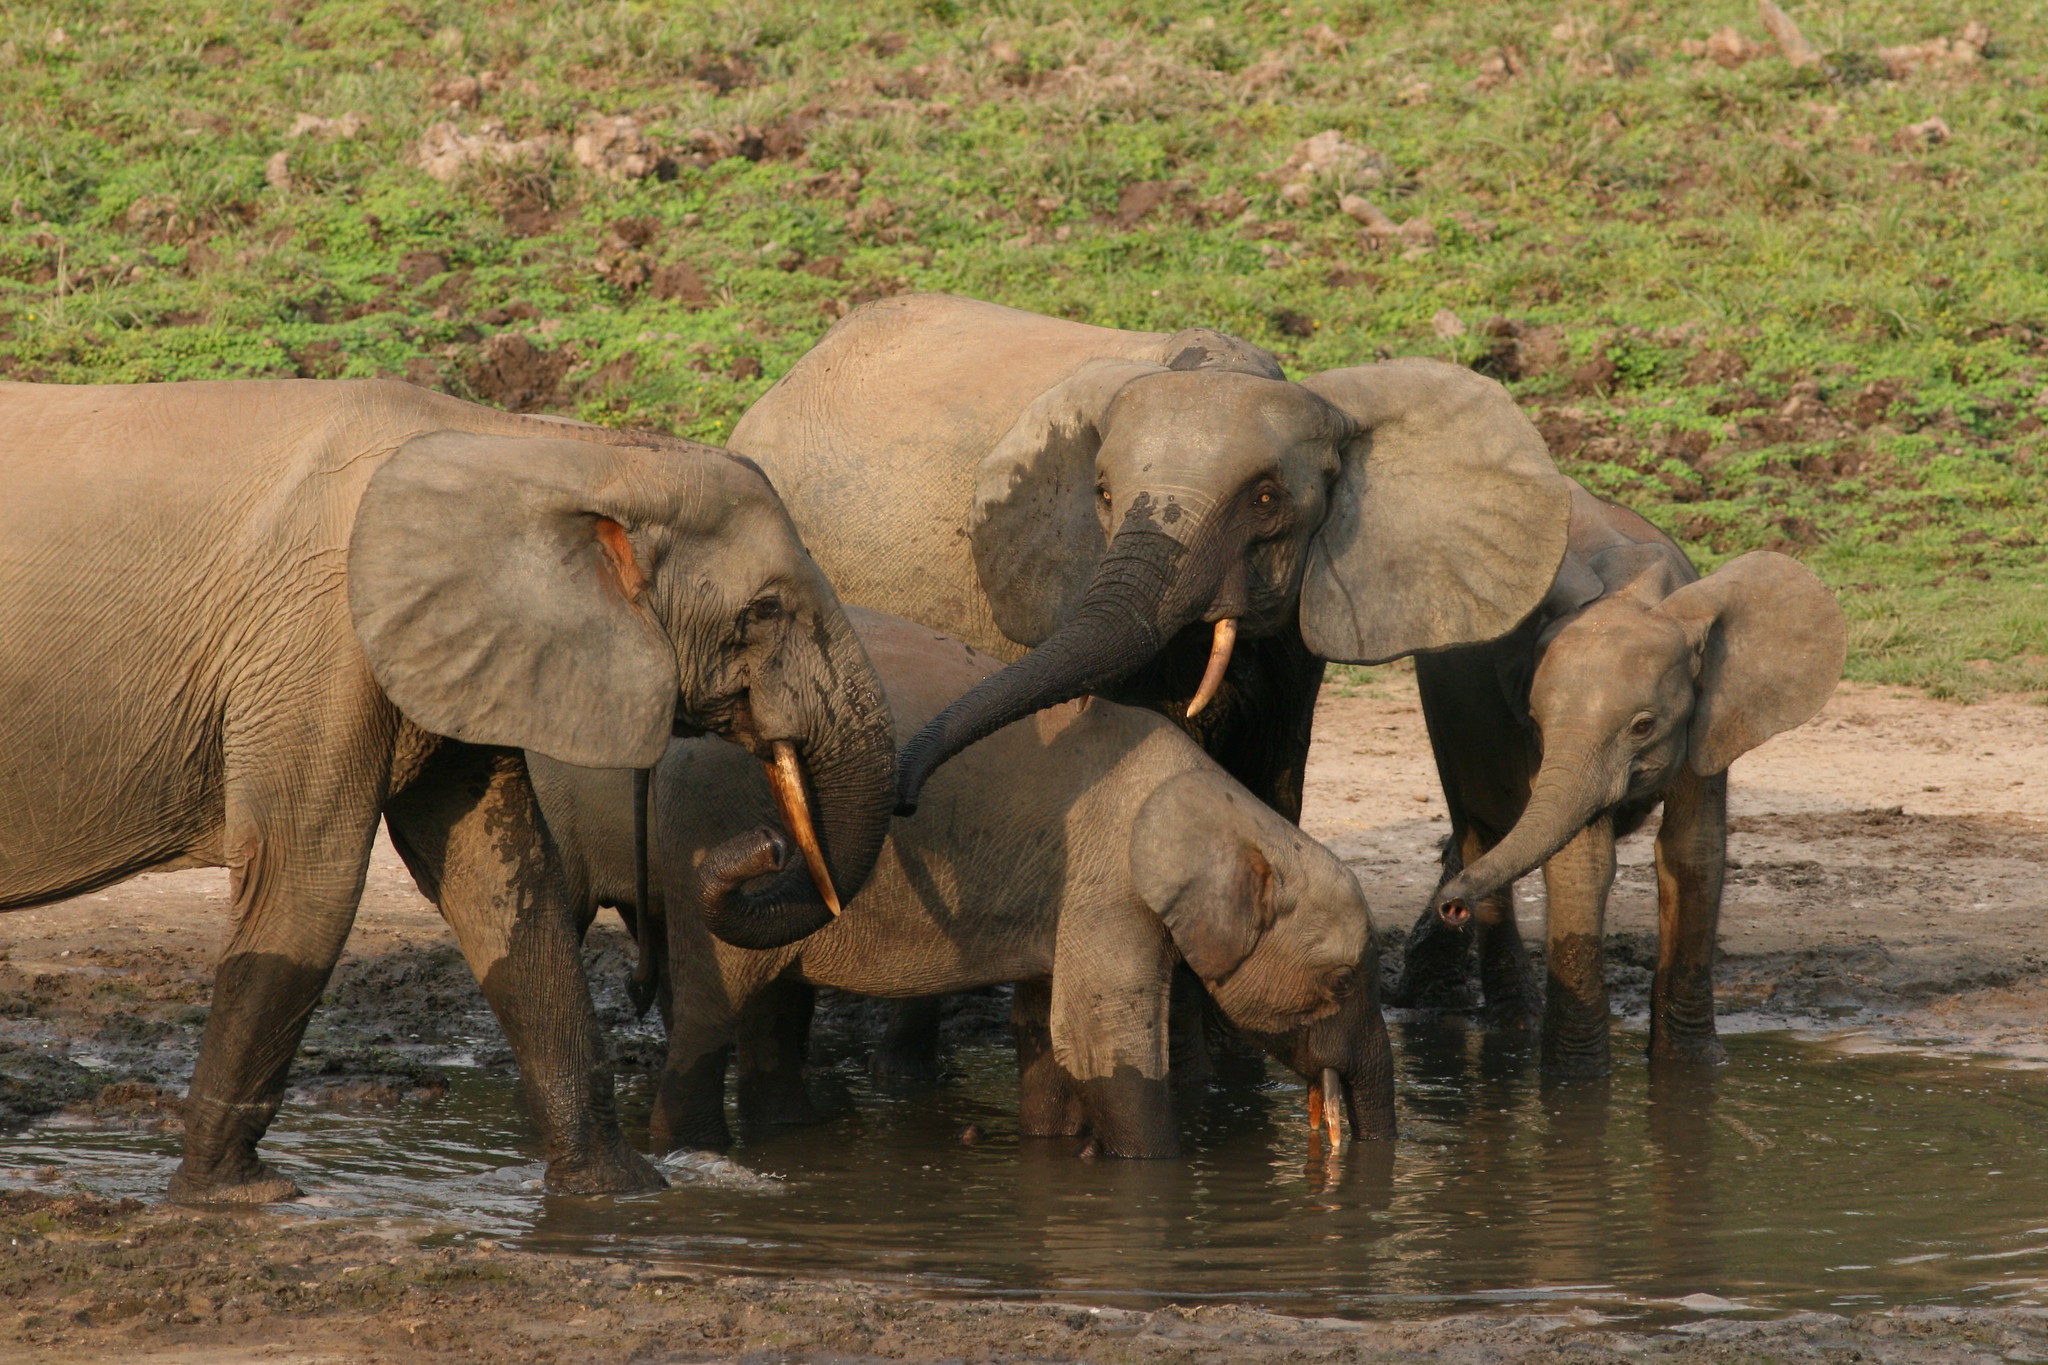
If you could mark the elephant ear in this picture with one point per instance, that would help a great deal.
(1211, 886)
(495, 585)
(1771, 641)
(1447, 520)
(1033, 528)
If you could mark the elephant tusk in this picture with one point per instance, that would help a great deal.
(1219, 660)
(786, 777)
(1332, 1092)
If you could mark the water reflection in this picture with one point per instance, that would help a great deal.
(1797, 1176)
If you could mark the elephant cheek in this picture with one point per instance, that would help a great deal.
(1264, 997)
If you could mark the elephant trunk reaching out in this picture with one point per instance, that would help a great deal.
(1141, 596)
(1570, 789)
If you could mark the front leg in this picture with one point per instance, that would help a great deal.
(471, 832)
(1575, 1019)
(1692, 857)
(1111, 983)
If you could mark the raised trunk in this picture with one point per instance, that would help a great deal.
(848, 758)
(1566, 795)
(1130, 611)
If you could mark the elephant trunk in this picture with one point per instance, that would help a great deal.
(847, 762)
(1565, 797)
(1131, 609)
(1348, 1062)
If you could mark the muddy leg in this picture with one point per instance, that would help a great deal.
(909, 1050)
(1506, 980)
(1575, 1019)
(1047, 1103)
(471, 832)
(1692, 852)
(1437, 959)
(774, 1037)
(295, 894)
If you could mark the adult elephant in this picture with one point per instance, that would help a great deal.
(1164, 518)
(239, 621)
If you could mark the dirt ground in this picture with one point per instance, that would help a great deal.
(1888, 861)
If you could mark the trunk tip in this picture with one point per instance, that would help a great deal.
(1453, 910)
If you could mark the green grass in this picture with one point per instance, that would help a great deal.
(1731, 296)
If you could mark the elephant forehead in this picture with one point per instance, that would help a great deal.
(1615, 648)
(1217, 415)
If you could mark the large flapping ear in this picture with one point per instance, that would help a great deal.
(495, 585)
(1033, 527)
(1447, 521)
(1193, 864)
(1772, 641)
(1200, 348)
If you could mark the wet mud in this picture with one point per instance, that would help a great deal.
(1886, 894)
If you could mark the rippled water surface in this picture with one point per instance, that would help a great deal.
(1802, 1175)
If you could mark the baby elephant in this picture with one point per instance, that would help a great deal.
(1092, 844)
(1636, 681)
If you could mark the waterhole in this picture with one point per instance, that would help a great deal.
(1802, 1175)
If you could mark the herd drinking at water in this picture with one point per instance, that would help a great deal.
(987, 654)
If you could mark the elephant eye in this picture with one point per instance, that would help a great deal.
(1265, 498)
(1102, 492)
(1642, 726)
(767, 607)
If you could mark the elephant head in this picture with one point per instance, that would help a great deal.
(1278, 930)
(1643, 681)
(584, 599)
(1377, 510)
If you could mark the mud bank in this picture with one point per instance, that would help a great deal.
(1889, 865)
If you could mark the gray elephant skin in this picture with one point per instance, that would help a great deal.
(242, 621)
(1093, 847)
(1637, 682)
(1127, 502)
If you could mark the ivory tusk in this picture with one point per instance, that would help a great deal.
(1332, 1092)
(1315, 1110)
(786, 777)
(1219, 660)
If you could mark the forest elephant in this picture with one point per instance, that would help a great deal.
(1636, 682)
(1164, 519)
(1082, 853)
(244, 620)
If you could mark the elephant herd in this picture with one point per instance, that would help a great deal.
(1060, 741)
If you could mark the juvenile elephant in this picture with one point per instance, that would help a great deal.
(241, 621)
(1168, 520)
(1095, 846)
(1636, 682)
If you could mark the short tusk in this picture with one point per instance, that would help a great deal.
(1332, 1092)
(786, 776)
(1219, 660)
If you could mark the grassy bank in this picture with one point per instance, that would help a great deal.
(1801, 307)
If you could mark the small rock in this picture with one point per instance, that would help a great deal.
(458, 92)
(1367, 213)
(445, 151)
(1327, 41)
(1709, 1303)
(616, 149)
(1791, 42)
(1929, 133)
(1447, 325)
(347, 128)
(277, 172)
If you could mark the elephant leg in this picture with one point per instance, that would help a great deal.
(471, 832)
(1187, 1030)
(774, 1041)
(1111, 986)
(908, 1053)
(299, 850)
(1435, 963)
(1263, 741)
(1048, 1105)
(1506, 979)
(1692, 855)
(1575, 1019)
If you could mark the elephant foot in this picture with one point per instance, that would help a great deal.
(1434, 968)
(621, 1170)
(1687, 1050)
(906, 1066)
(1515, 1013)
(252, 1183)
(1583, 1062)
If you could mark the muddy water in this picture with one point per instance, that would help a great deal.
(1804, 1175)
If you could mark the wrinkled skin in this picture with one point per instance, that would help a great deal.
(1636, 683)
(245, 621)
(1108, 496)
(1082, 854)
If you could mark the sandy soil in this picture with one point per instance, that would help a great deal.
(1888, 879)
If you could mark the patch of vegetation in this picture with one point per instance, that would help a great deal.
(1770, 306)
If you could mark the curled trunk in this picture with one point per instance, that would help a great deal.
(1125, 619)
(847, 760)
(1563, 800)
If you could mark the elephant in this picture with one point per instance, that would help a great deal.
(1636, 682)
(1164, 519)
(246, 620)
(1082, 854)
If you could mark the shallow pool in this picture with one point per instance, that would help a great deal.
(1803, 1175)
